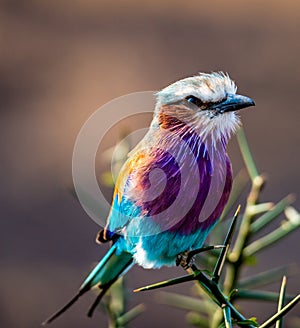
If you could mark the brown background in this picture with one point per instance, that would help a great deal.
(60, 62)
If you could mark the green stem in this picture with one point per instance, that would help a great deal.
(271, 238)
(246, 153)
(267, 277)
(259, 295)
(227, 316)
(236, 256)
(272, 214)
(213, 289)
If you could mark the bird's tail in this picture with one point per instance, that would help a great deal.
(105, 273)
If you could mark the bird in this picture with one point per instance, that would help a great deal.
(175, 183)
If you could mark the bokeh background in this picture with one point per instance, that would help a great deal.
(60, 61)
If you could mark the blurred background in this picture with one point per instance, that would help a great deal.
(59, 63)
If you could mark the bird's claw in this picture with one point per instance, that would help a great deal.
(185, 260)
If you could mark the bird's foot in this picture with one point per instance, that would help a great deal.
(186, 259)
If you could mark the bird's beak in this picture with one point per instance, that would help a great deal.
(232, 103)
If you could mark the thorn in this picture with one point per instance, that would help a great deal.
(281, 300)
(222, 257)
(166, 283)
(238, 210)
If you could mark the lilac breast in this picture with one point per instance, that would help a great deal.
(195, 176)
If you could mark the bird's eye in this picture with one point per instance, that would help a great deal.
(194, 100)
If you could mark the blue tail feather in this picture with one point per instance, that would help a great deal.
(105, 273)
(108, 270)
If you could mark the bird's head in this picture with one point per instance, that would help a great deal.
(207, 103)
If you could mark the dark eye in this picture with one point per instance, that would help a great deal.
(194, 100)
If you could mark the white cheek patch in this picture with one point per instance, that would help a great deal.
(217, 127)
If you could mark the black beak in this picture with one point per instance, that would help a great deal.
(232, 103)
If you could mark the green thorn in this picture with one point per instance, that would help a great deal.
(221, 260)
(167, 283)
(270, 322)
(281, 301)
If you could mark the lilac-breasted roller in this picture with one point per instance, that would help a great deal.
(176, 182)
